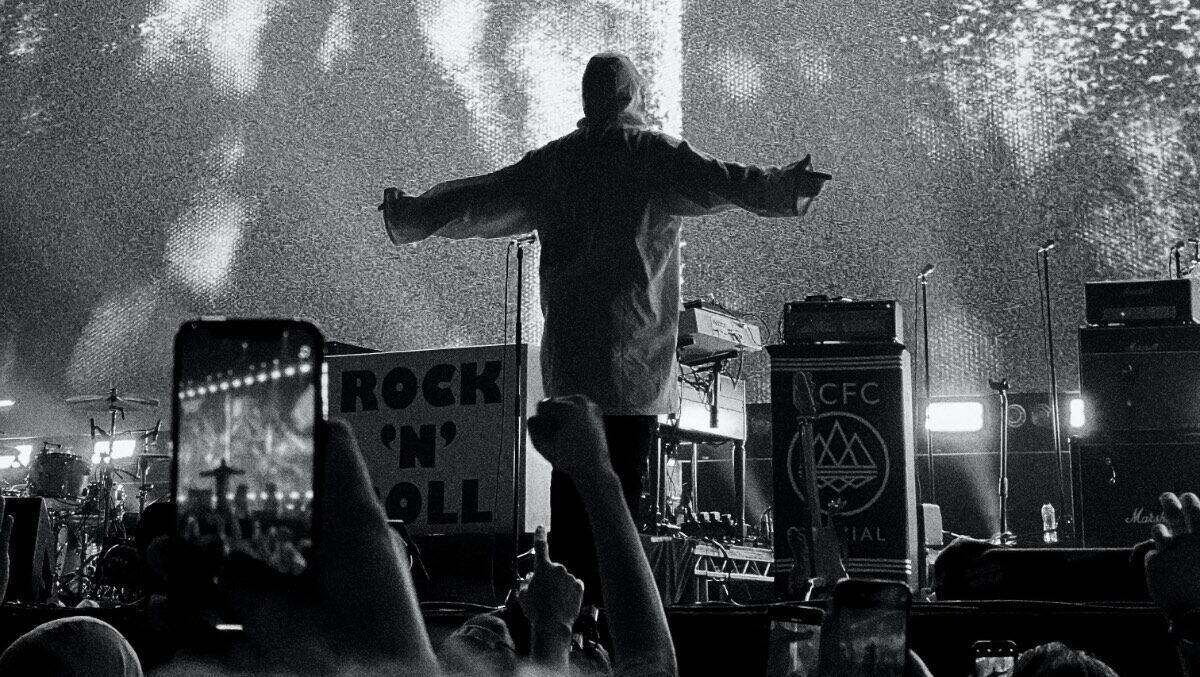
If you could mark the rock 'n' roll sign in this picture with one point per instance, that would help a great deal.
(550, 599)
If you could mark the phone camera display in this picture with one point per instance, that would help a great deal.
(245, 442)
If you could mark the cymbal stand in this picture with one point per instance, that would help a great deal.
(106, 485)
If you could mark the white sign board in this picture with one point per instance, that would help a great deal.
(436, 429)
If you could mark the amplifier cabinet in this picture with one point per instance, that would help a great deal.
(863, 446)
(1117, 485)
(1140, 378)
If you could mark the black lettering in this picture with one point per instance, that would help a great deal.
(358, 386)
(436, 385)
(437, 505)
(470, 504)
(473, 382)
(399, 388)
(418, 447)
(403, 502)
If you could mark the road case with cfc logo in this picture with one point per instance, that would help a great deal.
(863, 446)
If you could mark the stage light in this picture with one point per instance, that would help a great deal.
(4, 404)
(275, 374)
(308, 495)
(1077, 419)
(249, 381)
(120, 449)
(20, 459)
(954, 417)
(224, 385)
(289, 371)
(295, 495)
(260, 377)
(305, 368)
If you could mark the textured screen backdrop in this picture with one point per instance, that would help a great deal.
(171, 158)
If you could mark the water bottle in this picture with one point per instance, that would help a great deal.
(1049, 524)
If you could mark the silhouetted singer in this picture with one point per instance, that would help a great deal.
(605, 201)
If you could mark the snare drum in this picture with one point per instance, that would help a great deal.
(58, 474)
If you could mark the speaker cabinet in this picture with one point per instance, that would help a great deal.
(1140, 378)
(30, 551)
(1119, 484)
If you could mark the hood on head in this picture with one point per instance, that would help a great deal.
(613, 90)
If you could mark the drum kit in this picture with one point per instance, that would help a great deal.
(86, 499)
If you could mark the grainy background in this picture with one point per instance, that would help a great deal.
(164, 159)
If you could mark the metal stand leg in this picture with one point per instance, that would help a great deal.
(739, 486)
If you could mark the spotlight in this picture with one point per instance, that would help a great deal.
(4, 404)
(1077, 418)
(261, 376)
(224, 385)
(289, 371)
(954, 417)
(276, 374)
(249, 381)
(305, 368)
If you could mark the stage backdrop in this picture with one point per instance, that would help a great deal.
(163, 159)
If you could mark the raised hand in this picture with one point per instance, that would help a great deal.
(553, 596)
(551, 601)
(1173, 565)
(569, 432)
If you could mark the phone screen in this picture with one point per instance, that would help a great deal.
(867, 629)
(247, 398)
(994, 658)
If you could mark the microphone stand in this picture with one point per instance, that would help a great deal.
(1001, 387)
(1055, 422)
(518, 396)
(923, 278)
(518, 401)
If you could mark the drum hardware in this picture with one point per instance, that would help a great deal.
(103, 492)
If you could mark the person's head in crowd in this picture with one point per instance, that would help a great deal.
(78, 646)
(1059, 660)
(482, 645)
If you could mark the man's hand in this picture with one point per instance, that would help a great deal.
(569, 432)
(553, 596)
(395, 199)
(395, 203)
(1173, 565)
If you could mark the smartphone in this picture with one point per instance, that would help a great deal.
(866, 629)
(247, 399)
(793, 647)
(994, 657)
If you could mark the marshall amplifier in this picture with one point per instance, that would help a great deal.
(1140, 378)
(818, 319)
(1118, 483)
(863, 447)
(1131, 302)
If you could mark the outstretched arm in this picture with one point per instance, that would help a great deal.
(569, 433)
(694, 183)
(486, 206)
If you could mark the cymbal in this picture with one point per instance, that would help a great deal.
(113, 401)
